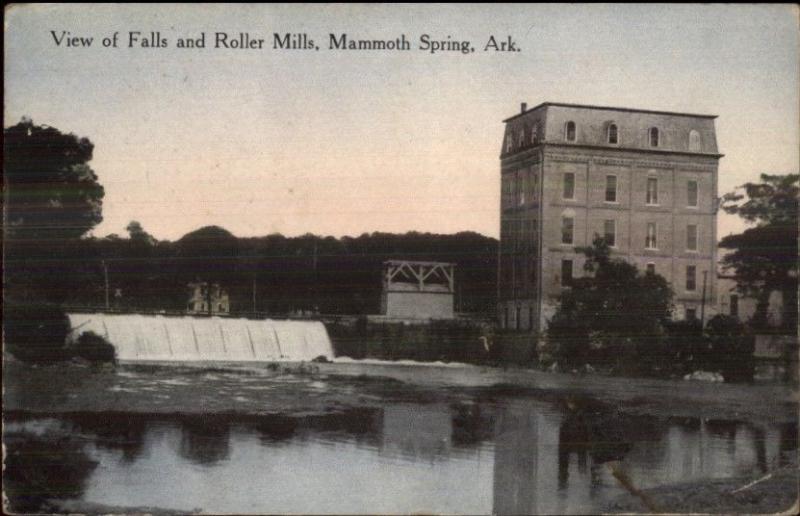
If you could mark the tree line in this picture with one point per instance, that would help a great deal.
(273, 273)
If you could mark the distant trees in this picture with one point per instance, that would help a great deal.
(333, 275)
(764, 257)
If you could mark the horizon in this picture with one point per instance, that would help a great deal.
(341, 144)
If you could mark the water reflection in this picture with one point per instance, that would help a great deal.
(507, 456)
(205, 440)
(42, 467)
(112, 431)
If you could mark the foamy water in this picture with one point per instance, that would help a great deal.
(190, 339)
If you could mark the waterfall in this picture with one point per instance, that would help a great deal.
(224, 339)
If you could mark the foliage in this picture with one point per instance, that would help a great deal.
(39, 469)
(731, 349)
(94, 348)
(612, 315)
(689, 349)
(51, 198)
(36, 333)
(51, 192)
(336, 275)
(764, 257)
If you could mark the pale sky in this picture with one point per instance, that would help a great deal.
(345, 142)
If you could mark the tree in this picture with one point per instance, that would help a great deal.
(137, 234)
(51, 198)
(50, 191)
(764, 257)
(611, 312)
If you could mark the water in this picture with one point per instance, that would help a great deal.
(189, 339)
(506, 455)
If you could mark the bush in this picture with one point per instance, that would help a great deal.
(687, 345)
(731, 349)
(94, 348)
(568, 340)
(36, 333)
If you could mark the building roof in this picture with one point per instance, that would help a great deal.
(609, 108)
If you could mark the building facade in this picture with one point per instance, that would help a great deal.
(644, 180)
(208, 299)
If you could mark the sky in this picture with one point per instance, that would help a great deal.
(346, 142)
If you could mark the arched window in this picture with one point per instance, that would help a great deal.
(694, 141)
(569, 131)
(522, 137)
(654, 136)
(535, 134)
(613, 137)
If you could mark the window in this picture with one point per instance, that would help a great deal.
(691, 193)
(691, 278)
(654, 136)
(651, 268)
(612, 134)
(530, 318)
(569, 131)
(535, 134)
(519, 318)
(521, 138)
(694, 141)
(567, 230)
(505, 316)
(650, 240)
(691, 237)
(566, 273)
(522, 187)
(691, 314)
(569, 185)
(610, 232)
(611, 188)
(734, 305)
(509, 142)
(506, 181)
(652, 190)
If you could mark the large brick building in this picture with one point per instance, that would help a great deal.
(646, 180)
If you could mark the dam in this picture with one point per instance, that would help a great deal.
(138, 337)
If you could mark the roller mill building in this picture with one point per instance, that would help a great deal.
(645, 180)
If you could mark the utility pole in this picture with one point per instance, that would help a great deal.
(254, 292)
(105, 276)
(315, 307)
(703, 301)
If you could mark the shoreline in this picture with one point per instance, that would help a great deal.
(289, 389)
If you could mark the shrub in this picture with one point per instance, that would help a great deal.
(731, 349)
(687, 345)
(94, 348)
(36, 333)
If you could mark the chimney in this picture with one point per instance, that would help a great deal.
(523, 107)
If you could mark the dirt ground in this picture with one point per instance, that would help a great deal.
(776, 493)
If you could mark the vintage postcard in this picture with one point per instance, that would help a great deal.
(400, 259)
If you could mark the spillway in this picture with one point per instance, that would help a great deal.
(193, 339)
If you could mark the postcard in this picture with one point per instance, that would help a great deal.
(399, 259)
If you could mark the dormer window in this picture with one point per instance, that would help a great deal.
(569, 131)
(654, 136)
(613, 137)
(694, 141)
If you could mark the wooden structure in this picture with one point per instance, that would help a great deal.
(418, 290)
